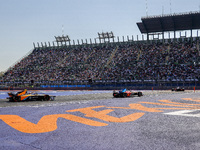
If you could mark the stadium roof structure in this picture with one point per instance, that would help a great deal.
(165, 23)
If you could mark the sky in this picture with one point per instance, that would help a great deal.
(24, 22)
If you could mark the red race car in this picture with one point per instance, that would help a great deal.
(126, 93)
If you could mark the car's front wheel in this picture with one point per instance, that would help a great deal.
(46, 97)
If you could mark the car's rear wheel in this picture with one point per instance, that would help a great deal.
(114, 94)
(139, 94)
(16, 99)
(124, 94)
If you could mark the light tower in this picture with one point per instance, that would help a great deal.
(62, 39)
(106, 35)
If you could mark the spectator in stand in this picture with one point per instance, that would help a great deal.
(128, 62)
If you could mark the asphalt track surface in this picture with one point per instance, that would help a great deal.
(159, 120)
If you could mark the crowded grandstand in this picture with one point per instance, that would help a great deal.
(142, 62)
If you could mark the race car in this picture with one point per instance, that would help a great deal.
(178, 89)
(126, 93)
(25, 96)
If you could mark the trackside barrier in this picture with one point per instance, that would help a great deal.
(63, 86)
(103, 84)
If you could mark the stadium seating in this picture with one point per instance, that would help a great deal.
(172, 61)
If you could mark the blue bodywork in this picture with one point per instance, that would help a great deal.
(122, 91)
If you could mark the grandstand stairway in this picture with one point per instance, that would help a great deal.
(84, 64)
(167, 57)
(61, 61)
(109, 60)
(111, 57)
(139, 54)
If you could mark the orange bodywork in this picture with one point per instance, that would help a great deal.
(24, 97)
(22, 93)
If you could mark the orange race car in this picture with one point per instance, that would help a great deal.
(25, 96)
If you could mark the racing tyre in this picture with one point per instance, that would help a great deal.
(16, 99)
(114, 95)
(11, 99)
(52, 98)
(124, 94)
(139, 94)
(46, 97)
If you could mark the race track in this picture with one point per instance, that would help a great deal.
(160, 120)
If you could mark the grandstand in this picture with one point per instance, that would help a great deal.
(158, 63)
